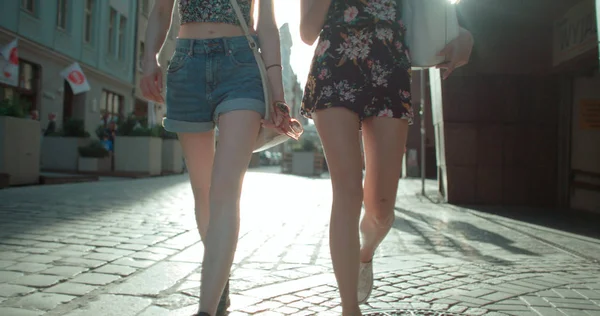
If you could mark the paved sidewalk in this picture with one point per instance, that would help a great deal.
(130, 248)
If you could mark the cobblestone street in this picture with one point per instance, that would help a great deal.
(130, 247)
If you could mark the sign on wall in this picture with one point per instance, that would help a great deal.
(575, 33)
(589, 112)
(77, 80)
(9, 64)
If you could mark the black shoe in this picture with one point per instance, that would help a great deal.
(224, 303)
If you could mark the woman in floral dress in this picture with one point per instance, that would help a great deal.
(360, 79)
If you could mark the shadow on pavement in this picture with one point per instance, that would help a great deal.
(35, 208)
(571, 221)
(456, 235)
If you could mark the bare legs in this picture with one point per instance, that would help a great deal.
(384, 141)
(338, 129)
(199, 152)
(237, 136)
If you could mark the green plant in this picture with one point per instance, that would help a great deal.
(164, 134)
(137, 126)
(14, 107)
(94, 150)
(305, 144)
(72, 128)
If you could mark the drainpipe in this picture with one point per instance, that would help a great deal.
(422, 131)
(135, 51)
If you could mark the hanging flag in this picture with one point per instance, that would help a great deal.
(10, 64)
(77, 80)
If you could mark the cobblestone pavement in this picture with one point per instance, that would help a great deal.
(131, 248)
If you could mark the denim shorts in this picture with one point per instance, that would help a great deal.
(207, 78)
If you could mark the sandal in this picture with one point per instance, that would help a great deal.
(365, 281)
(224, 302)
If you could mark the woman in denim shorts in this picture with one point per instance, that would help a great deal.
(213, 79)
(360, 78)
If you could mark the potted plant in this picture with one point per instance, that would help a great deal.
(307, 158)
(19, 143)
(94, 157)
(60, 149)
(138, 147)
(172, 153)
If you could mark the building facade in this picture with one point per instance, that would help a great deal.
(143, 107)
(98, 34)
(520, 125)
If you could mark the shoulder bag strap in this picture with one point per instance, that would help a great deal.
(259, 61)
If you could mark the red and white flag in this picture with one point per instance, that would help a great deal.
(10, 64)
(77, 80)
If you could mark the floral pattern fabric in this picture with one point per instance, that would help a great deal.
(216, 11)
(361, 62)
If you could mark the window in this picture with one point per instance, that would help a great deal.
(88, 21)
(27, 91)
(145, 7)
(141, 55)
(61, 15)
(111, 31)
(122, 29)
(111, 105)
(29, 6)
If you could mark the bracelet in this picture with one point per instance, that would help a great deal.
(275, 65)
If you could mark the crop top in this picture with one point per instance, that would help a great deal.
(215, 11)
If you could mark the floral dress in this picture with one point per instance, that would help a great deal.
(361, 62)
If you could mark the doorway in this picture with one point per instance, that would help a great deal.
(585, 144)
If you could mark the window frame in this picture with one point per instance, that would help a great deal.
(88, 21)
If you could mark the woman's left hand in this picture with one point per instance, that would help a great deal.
(459, 52)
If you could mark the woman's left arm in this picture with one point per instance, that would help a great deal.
(268, 37)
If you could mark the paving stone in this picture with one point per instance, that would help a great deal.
(132, 246)
(71, 289)
(10, 311)
(8, 290)
(7, 276)
(7, 255)
(88, 263)
(66, 271)
(156, 311)
(43, 301)
(155, 279)
(113, 305)
(135, 263)
(27, 267)
(95, 278)
(38, 280)
(116, 269)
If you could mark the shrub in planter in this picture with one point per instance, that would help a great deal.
(94, 157)
(138, 147)
(172, 153)
(59, 150)
(19, 143)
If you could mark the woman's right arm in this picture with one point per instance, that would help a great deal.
(312, 19)
(159, 22)
(156, 32)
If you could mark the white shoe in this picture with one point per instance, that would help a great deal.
(365, 281)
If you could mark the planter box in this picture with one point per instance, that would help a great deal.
(61, 153)
(307, 163)
(172, 156)
(88, 164)
(20, 150)
(138, 154)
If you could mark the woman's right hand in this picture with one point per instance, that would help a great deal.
(152, 81)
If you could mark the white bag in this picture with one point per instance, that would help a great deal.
(430, 26)
(267, 137)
